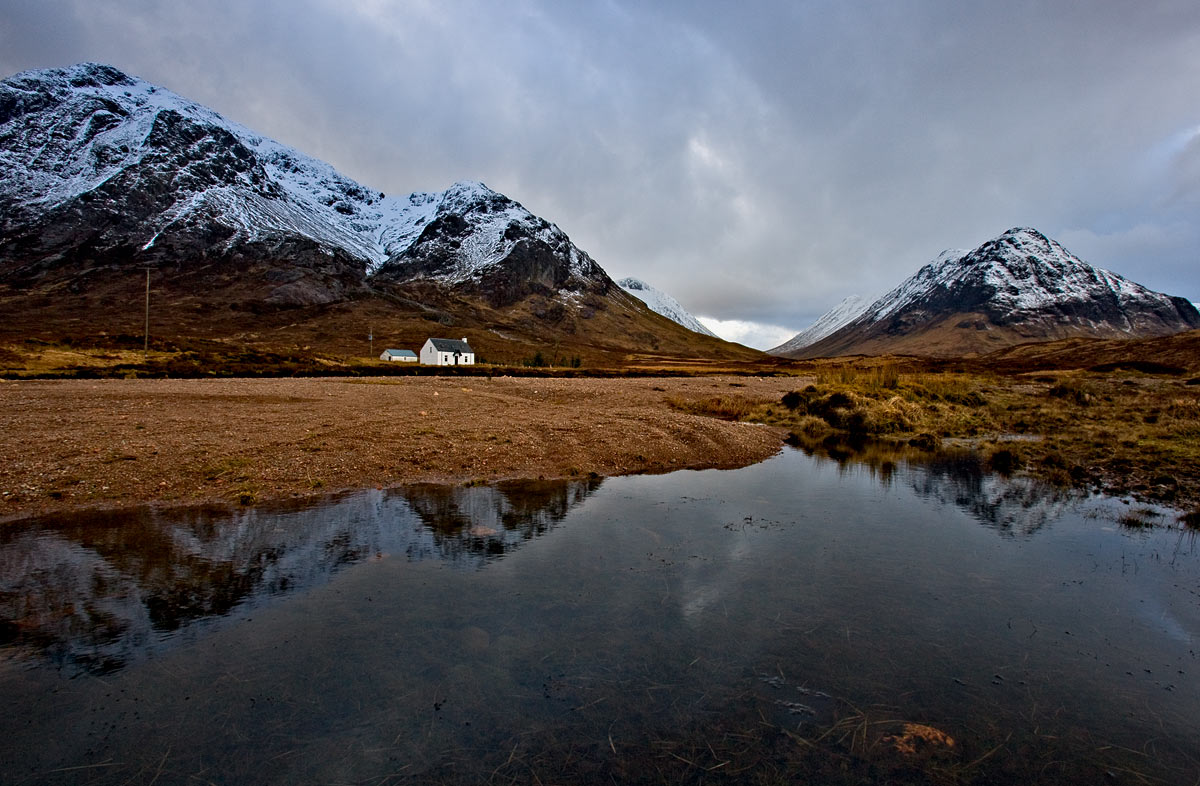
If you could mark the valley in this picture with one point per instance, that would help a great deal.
(1116, 426)
(945, 535)
(156, 259)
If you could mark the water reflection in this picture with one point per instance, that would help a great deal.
(486, 521)
(1012, 506)
(93, 591)
(792, 621)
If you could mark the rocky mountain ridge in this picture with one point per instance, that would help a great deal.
(107, 169)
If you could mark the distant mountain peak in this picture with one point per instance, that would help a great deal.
(1019, 286)
(832, 320)
(661, 303)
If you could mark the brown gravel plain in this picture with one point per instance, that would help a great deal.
(67, 444)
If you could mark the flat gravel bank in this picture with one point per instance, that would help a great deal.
(83, 443)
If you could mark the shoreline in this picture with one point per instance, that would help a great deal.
(78, 444)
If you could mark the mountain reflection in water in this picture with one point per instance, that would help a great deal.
(1013, 506)
(93, 591)
(807, 619)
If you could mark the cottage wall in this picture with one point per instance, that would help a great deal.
(432, 356)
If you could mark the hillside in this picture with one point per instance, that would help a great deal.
(661, 303)
(830, 322)
(1178, 353)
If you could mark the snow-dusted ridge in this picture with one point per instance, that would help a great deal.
(66, 134)
(1023, 272)
(1020, 286)
(828, 323)
(661, 303)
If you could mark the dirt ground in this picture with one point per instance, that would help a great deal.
(80, 443)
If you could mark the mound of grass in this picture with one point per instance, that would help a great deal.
(1141, 366)
(1077, 429)
(723, 407)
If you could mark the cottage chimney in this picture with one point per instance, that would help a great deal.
(465, 340)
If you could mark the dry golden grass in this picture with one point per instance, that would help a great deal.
(39, 360)
(1122, 433)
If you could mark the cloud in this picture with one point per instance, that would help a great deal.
(756, 162)
(751, 334)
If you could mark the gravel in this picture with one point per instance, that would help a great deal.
(113, 443)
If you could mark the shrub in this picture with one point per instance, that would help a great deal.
(1005, 461)
(1070, 391)
(925, 441)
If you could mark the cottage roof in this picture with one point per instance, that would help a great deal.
(401, 353)
(450, 345)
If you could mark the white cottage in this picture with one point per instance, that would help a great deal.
(400, 355)
(447, 352)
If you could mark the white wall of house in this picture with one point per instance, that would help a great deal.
(431, 356)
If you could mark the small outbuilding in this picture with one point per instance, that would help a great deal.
(401, 355)
(447, 352)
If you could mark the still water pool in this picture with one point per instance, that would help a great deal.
(804, 618)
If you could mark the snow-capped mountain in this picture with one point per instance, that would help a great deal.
(480, 241)
(1020, 286)
(103, 170)
(661, 303)
(832, 320)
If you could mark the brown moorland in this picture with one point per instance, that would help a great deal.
(1121, 417)
(609, 330)
(76, 443)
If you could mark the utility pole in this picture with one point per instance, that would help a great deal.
(146, 330)
(371, 341)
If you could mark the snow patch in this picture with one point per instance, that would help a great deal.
(661, 303)
(828, 323)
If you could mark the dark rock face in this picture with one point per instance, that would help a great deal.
(1023, 278)
(151, 197)
(481, 243)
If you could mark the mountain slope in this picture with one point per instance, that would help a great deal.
(1158, 354)
(479, 241)
(661, 303)
(1018, 287)
(106, 175)
(107, 169)
(829, 322)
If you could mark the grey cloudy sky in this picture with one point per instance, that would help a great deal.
(756, 160)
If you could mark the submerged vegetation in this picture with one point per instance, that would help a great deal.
(1122, 432)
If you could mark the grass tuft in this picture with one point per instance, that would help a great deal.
(1140, 518)
(723, 407)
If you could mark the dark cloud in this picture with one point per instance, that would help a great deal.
(757, 162)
